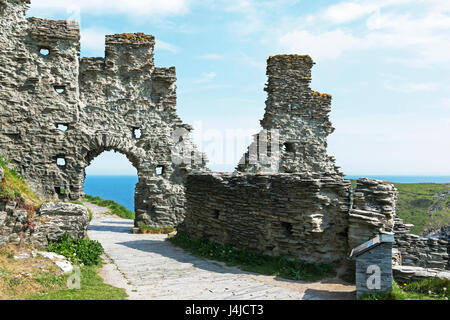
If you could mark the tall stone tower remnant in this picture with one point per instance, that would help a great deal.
(298, 116)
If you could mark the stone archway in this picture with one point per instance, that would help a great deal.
(111, 175)
(69, 110)
(135, 155)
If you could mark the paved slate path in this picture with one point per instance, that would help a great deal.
(151, 268)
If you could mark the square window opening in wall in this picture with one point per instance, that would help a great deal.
(216, 213)
(287, 228)
(289, 147)
(60, 190)
(44, 51)
(60, 89)
(159, 170)
(62, 127)
(61, 162)
(137, 133)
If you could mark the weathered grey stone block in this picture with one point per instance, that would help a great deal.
(50, 223)
(374, 265)
(55, 219)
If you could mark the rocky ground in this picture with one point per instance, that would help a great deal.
(149, 267)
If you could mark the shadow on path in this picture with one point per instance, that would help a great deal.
(331, 295)
(120, 229)
(168, 250)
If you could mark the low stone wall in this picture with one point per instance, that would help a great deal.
(404, 274)
(303, 216)
(49, 223)
(417, 251)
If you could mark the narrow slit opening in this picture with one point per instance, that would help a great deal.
(159, 170)
(137, 133)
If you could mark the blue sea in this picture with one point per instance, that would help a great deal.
(121, 188)
(117, 188)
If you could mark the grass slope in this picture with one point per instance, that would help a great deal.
(39, 279)
(416, 202)
(92, 288)
(13, 187)
(114, 207)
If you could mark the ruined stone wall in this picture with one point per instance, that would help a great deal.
(130, 106)
(29, 103)
(417, 251)
(373, 212)
(295, 124)
(304, 216)
(57, 113)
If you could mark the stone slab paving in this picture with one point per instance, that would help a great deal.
(150, 268)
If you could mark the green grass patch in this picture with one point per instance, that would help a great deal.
(156, 230)
(13, 187)
(252, 261)
(114, 207)
(429, 289)
(415, 202)
(92, 288)
(37, 278)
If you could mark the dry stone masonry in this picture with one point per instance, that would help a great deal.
(287, 196)
(290, 214)
(58, 113)
(416, 251)
(295, 116)
(50, 223)
(373, 210)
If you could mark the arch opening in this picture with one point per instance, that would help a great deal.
(111, 175)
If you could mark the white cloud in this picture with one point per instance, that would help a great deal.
(251, 62)
(93, 40)
(212, 56)
(134, 8)
(206, 77)
(162, 45)
(389, 144)
(348, 11)
(330, 44)
(423, 32)
(399, 85)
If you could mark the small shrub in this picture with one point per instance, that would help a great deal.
(434, 286)
(429, 289)
(79, 251)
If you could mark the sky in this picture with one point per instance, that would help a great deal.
(385, 62)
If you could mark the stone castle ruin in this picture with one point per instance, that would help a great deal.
(59, 112)
(287, 196)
